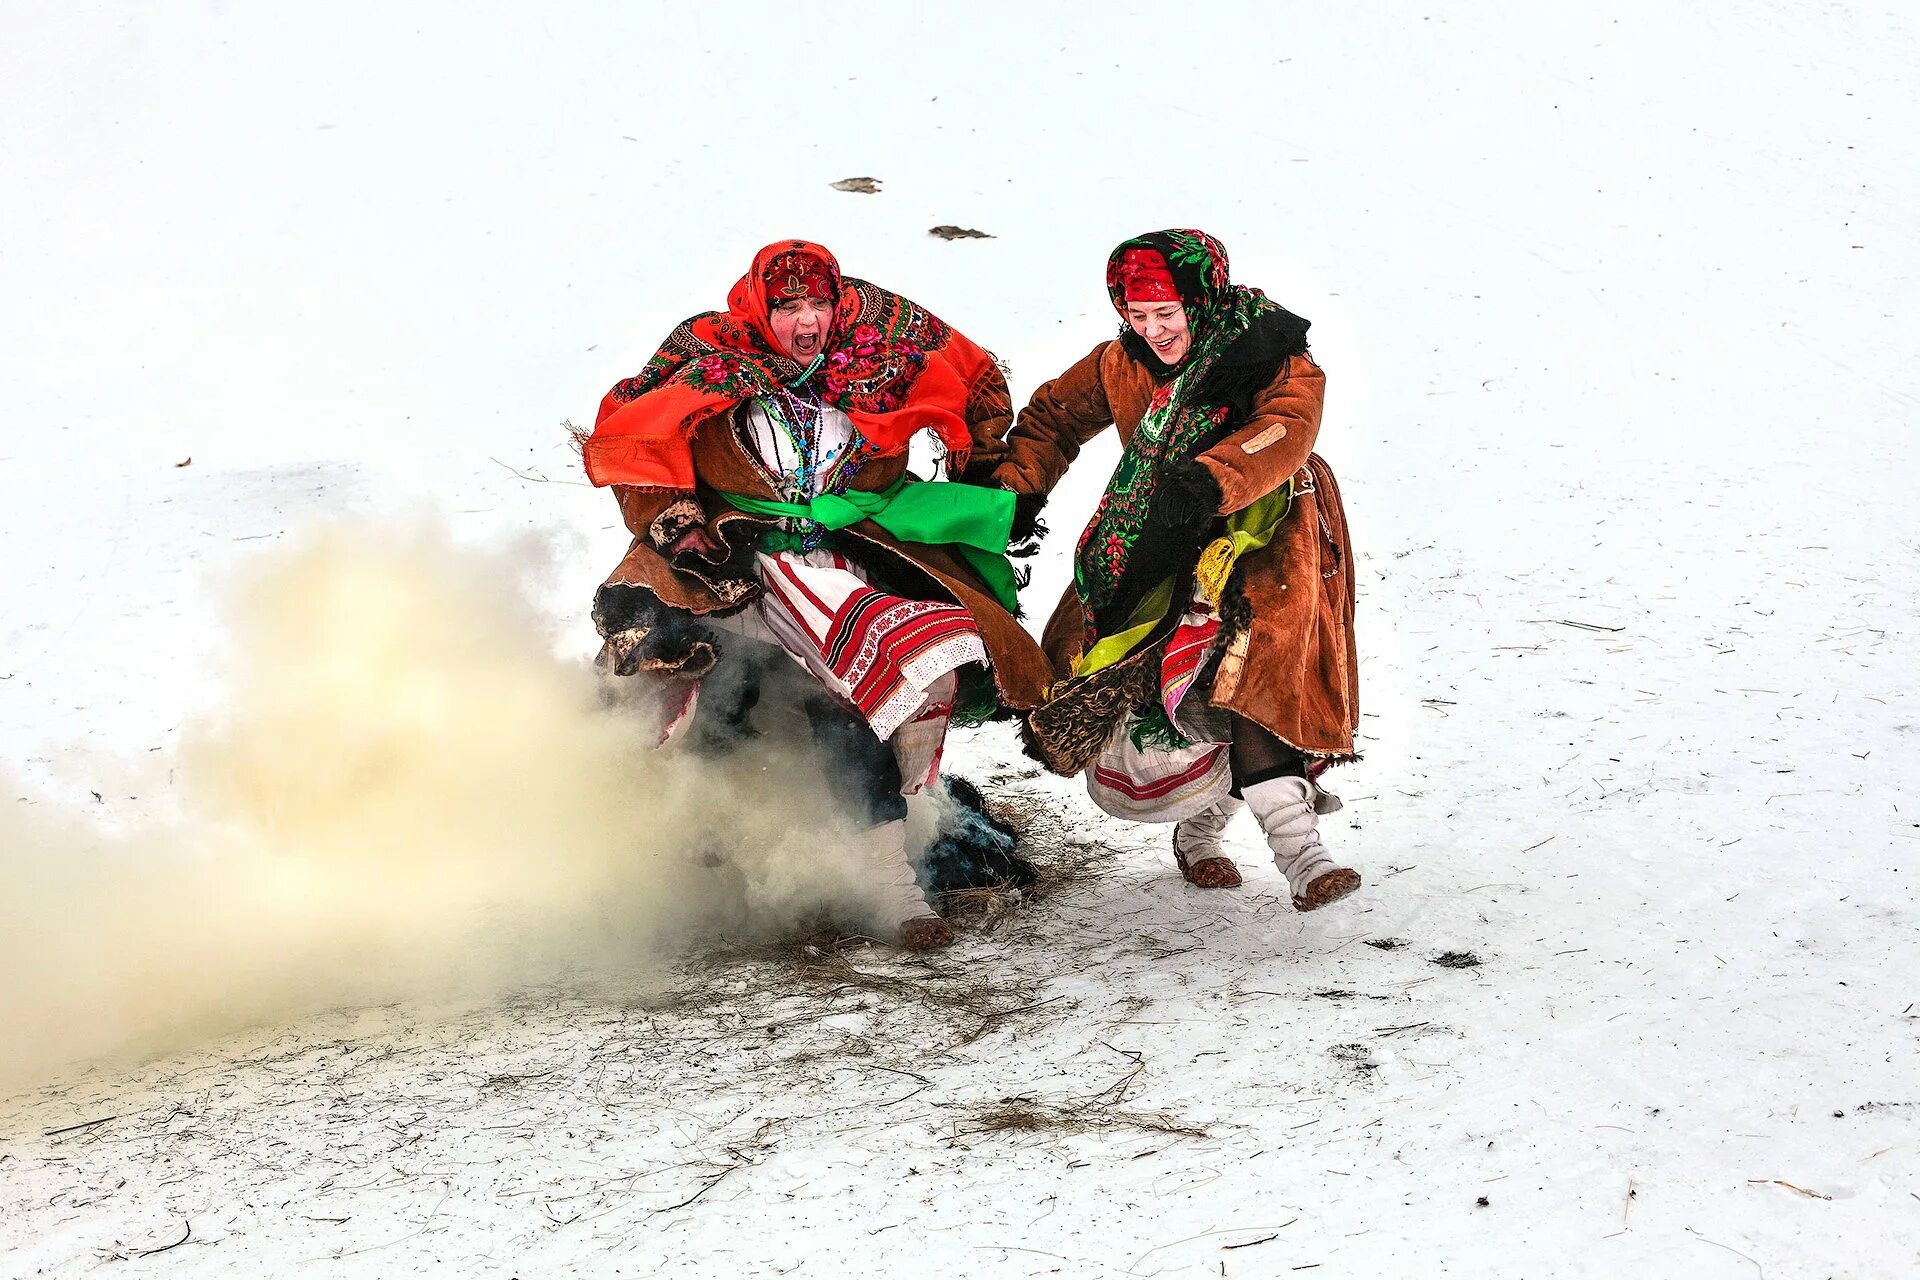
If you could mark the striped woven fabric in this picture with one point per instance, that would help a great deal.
(1144, 782)
(890, 658)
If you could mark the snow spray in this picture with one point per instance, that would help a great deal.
(403, 795)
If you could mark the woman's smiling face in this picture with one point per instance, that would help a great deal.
(1163, 326)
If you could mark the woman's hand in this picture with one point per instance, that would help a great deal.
(699, 542)
(1189, 498)
(1028, 528)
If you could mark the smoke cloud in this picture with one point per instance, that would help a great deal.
(402, 795)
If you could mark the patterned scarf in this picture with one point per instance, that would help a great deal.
(1178, 424)
(893, 367)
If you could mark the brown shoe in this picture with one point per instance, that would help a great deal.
(1288, 812)
(1198, 851)
(1331, 887)
(1217, 872)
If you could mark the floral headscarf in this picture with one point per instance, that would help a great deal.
(893, 367)
(1180, 422)
(1140, 275)
(799, 274)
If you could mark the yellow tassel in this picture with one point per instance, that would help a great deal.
(1216, 562)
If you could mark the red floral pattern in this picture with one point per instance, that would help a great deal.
(1175, 424)
(1195, 265)
(799, 274)
(879, 346)
(1141, 275)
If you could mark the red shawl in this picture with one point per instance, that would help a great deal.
(890, 365)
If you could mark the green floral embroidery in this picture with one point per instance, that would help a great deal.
(1176, 425)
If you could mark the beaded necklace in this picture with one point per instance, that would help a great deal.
(798, 417)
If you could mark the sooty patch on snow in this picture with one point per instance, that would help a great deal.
(1457, 960)
(1885, 1106)
(974, 849)
(1357, 1056)
(1386, 944)
(1335, 993)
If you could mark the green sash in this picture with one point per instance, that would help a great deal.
(974, 520)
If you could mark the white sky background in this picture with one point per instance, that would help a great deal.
(251, 222)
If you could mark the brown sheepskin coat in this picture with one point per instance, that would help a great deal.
(656, 517)
(1290, 667)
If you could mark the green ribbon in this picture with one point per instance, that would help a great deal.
(974, 520)
(1108, 650)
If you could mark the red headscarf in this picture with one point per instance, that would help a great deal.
(797, 273)
(891, 366)
(1141, 275)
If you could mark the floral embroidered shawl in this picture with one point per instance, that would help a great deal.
(1181, 421)
(893, 367)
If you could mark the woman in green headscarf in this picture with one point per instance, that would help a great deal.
(1205, 651)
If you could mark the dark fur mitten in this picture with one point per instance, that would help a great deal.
(1189, 498)
(1028, 529)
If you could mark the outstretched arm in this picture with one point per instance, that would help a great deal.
(989, 412)
(1062, 416)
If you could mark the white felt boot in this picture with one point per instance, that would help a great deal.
(1286, 810)
(1198, 840)
(901, 912)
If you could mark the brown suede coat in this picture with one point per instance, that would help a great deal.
(1292, 668)
(656, 517)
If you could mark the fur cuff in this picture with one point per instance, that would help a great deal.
(644, 634)
(1190, 497)
(1186, 502)
(731, 578)
(628, 653)
(684, 514)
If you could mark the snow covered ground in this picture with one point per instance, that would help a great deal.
(1617, 308)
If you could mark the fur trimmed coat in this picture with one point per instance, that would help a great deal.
(642, 634)
(1288, 661)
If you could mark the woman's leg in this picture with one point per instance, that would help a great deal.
(864, 777)
(1272, 777)
(1199, 848)
(1258, 756)
(862, 773)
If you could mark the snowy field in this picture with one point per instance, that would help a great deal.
(1618, 310)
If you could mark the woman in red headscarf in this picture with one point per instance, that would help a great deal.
(1205, 651)
(760, 462)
